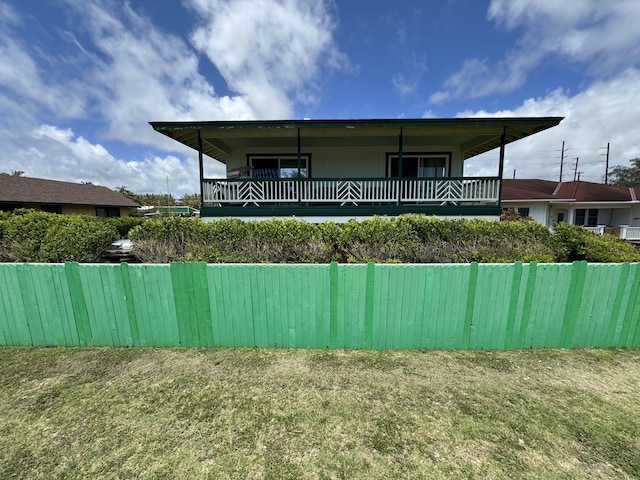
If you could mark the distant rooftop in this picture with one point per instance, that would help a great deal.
(16, 189)
(578, 191)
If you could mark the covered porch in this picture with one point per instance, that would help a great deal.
(351, 168)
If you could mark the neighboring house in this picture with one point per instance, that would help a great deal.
(595, 206)
(168, 211)
(62, 197)
(340, 169)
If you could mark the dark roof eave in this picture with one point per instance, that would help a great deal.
(544, 122)
(518, 128)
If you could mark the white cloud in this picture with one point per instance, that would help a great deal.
(270, 51)
(601, 35)
(62, 155)
(606, 112)
(143, 74)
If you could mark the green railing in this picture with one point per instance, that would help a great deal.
(450, 306)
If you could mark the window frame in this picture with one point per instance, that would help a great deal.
(394, 156)
(305, 159)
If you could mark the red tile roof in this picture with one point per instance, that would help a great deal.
(578, 191)
(14, 189)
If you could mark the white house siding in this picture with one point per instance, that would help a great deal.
(537, 211)
(634, 220)
(348, 162)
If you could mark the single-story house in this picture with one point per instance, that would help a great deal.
(149, 211)
(595, 206)
(62, 197)
(339, 169)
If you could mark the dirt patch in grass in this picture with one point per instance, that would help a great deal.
(251, 413)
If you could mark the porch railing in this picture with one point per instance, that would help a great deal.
(629, 233)
(257, 192)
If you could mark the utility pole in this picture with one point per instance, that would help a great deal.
(575, 169)
(606, 168)
(561, 161)
(514, 173)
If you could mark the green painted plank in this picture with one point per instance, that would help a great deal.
(616, 305)
(51, 304)
(16, 322)
(78, 301)
(380, 309)
(471, 296)
(30, 302)
(572, 309)
(632, 312)
(419, 279)
(203, 307)
(323, 306)
(258, 302)
(128, 298)
(217, 293)
(368, 315)
(513, 305)
(12, 315)
(183, 293)
(531, 270)
(429, 317)
(333, 313)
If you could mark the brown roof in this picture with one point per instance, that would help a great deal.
(528, 189)
(14, 189)
(578, 191)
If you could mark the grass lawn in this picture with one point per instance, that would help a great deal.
(238, 413)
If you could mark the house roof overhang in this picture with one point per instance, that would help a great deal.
(473, 135)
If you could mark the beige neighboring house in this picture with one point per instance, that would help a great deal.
(598, 207)
(62, 197)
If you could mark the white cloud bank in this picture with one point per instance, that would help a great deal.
(606, 112)
(119, 71)
(270, 51)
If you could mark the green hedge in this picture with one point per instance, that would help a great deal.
(31, 236)
(408, 238)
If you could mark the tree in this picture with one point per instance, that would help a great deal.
(122, 190)
(626, 176)
(17, 173)
(192, 201)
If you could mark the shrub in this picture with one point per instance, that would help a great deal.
(124, 224)
(77, 238)
(33, 236)
(576, 243)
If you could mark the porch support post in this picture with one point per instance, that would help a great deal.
(299, 171)
(400, 166)
(201, 165)
(299, 155)
(503, 141)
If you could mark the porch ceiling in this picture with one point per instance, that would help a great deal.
(473, 135)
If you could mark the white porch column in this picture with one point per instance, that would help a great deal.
(623, 231)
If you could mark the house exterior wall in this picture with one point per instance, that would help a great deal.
(79, 210)
(75, 209)
(348, 162)
(537, 211)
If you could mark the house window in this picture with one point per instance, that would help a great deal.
(107, 212)
(279, 166)
(423, 165)
(561, 216)
(51, 208)
(586, 217)
(523, 211)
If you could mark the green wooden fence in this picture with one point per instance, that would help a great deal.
(451, 306)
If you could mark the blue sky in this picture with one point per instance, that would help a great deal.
(81, 79)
